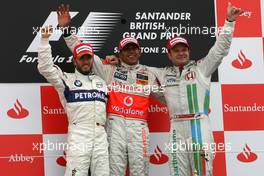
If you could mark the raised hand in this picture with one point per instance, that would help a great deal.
(112, 60)
(64, 17)
(46, 31)
(233, 12)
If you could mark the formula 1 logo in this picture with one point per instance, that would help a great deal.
(95, 29)
(51, 20)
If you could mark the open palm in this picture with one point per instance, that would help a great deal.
(64, 17)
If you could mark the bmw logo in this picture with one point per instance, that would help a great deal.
(77, 83)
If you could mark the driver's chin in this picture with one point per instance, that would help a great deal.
(132, 60)
(84, 70)
(181, 62)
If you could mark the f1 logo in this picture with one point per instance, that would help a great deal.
(51, 20)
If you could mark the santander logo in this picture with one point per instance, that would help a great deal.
(242, 62)
(18, 111)
(61, 160)
(247, 156)
(158, 157)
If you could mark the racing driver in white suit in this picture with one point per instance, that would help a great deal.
(83, 96)
(187, 86)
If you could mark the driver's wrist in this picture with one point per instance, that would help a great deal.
(230, 20)
(45, 37)
(66, 31)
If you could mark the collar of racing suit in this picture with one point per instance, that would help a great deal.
(130, 67)
(79, 75)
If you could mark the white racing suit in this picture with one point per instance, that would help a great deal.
(84, 100)
(187, 97)
(127, 112)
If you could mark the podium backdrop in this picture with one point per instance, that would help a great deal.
(33, 124)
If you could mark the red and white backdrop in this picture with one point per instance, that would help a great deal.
(32, 118)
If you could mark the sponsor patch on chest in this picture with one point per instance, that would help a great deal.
(191, 75)
(99, 85)
(121, 76)
(171, 81)
(142, 79)
(77, 83)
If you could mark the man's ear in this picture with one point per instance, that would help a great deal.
(140, 53)
(120, 54)
(92, 61)
(74, 62)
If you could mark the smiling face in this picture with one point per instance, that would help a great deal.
(84, 64)
(130, 54)
(179, 54)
